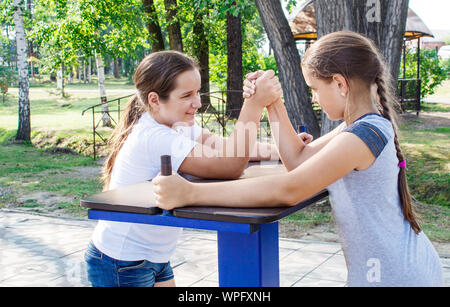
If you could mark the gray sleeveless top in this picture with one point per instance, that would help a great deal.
(379, 245)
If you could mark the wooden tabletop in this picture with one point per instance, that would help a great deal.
(138, 198)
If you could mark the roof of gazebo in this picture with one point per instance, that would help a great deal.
(303, 23)
(415, 27)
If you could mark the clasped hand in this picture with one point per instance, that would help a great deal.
(262, 88)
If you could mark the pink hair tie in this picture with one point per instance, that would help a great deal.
(402, 164)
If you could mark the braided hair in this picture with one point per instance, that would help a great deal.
(387, 100)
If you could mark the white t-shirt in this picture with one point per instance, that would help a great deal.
(139, 160)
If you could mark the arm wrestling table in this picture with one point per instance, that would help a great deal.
(247, 239)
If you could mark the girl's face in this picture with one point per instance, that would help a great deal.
(330, 95)
(183, 101)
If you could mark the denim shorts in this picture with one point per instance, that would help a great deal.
(104, 271)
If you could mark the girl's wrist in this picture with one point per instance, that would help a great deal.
(253, 106)
(194, 194)
(276, 104)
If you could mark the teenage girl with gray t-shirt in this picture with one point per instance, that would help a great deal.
(360, 162)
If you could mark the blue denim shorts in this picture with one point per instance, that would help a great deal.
(104, 271)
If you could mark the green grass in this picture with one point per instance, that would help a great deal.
(428, 156)
(58, 121)
(435, 107)
(25, 169)
(428, 171)
(27, 159)
(312, 216)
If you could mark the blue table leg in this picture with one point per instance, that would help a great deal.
(249, 260)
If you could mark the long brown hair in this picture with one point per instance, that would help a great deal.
(157, 73)
(357, 58)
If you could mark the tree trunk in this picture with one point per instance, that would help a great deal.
(102, 91)
(383, 21)
(30, 43)
(89, 70)
(173, 26)
(116, 69)
(69, 75)
(201, 52)
(78, 68)
(287, 57)
(84, 71)
(24, 126)
(59, 78)
(154, 30)
(234, 64)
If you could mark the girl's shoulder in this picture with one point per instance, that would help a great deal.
(376, 121)
(374, 130)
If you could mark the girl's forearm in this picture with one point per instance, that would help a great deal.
(289, 144)
(245, 193)
(226, 158)
(243, 140)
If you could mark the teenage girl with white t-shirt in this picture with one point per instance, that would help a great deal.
(159, 120)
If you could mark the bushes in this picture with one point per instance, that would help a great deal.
(7, 135)
(431, 72)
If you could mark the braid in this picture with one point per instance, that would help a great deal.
(386, 102)
(387, 111)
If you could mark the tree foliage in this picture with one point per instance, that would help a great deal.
(73, 27)
(69, 31)
(253, 36)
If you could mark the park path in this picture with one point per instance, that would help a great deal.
(38, 250)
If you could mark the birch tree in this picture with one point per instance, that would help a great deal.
(24, 129)
(106, 119)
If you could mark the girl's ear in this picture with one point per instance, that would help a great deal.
(153, 101)
(342, 85)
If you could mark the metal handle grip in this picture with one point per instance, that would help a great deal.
(166, 165)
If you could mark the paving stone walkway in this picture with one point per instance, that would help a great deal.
(38, 250)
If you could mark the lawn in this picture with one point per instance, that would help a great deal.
(34, 177)
(443, 90)
(425, 141)
(26, 170)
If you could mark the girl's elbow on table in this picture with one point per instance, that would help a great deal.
(290, 192)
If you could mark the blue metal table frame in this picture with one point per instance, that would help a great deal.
(247, 239)
(248, 253)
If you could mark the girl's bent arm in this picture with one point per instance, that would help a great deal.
(225, 158)
(293, 151)
(261, 152)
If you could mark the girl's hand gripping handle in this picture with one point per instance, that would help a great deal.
(170, 190)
